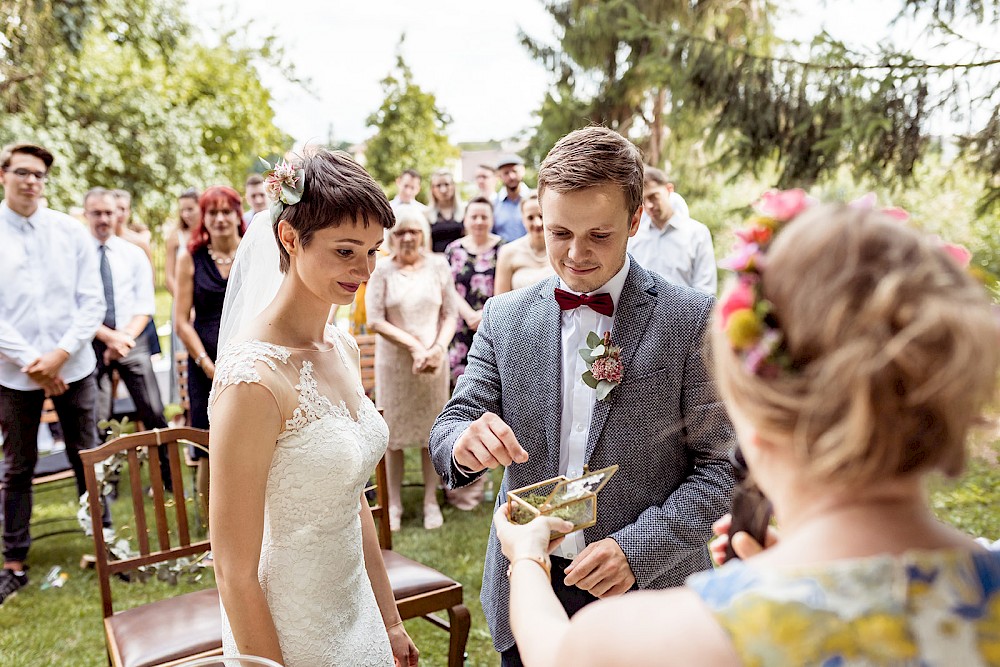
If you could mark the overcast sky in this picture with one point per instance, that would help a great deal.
(464, 51)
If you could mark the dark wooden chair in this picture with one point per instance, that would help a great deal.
(420, 591)
(172, 630)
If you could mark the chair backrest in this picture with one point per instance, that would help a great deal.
(161, 528)
(366, 345)
(181, 366)
(379, 510)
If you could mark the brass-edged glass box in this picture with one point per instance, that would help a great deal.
(574, 500)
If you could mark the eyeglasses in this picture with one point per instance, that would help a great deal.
(23, 174)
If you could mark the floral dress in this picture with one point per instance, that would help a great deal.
(474, 283)
(922, 608)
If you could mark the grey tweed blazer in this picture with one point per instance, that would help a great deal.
(664, 425)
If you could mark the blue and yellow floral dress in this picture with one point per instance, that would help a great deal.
(921, 608)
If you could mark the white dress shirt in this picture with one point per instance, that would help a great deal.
(50, 294)
(578, 398)
(681, 252)
(132, 278)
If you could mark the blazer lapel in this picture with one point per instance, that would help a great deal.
(631, 318)
(547, 317)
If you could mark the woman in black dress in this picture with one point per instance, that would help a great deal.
(202, 274)
(446, 211)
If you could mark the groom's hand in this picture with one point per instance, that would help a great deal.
(601, 569)
(487, 443)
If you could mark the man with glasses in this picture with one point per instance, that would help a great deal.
(52, 305)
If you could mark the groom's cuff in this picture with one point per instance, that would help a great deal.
(461, 469)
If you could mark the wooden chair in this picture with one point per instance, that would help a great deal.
(420, 590)
(172, 630)
(366, 345)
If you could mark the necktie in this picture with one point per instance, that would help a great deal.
(600, 303)
(109, 288)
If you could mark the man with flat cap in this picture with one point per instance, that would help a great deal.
(507, 209)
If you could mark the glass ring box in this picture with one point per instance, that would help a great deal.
(574, 500)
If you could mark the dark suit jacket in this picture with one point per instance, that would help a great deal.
(664, 425)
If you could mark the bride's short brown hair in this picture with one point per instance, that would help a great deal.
(894, 349)
(337, 190)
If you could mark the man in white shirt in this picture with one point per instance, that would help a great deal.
(407, 189)
(256, 199)
(51, 306)
(669, 242)
(119, 344)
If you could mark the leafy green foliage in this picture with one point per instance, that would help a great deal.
(127, 97)
(410, 129)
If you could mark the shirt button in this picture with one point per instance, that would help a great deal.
(579, 428)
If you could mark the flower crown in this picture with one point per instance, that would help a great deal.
(284, 184)
(746, 316)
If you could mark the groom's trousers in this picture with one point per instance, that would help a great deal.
(573, 600)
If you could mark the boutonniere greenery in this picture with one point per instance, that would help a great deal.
(604, 364)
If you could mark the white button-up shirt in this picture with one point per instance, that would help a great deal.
(50, 294)
(132, 278)
(578, 398)
(681, 252)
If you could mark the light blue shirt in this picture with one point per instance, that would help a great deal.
(507, 215)
(51, 294)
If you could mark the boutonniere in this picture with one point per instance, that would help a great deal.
(604, 364)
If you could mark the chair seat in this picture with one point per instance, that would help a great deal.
(169, 629)
(409, 578)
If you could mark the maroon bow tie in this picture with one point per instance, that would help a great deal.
(600, 303)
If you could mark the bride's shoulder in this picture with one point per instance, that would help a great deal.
(245, 360)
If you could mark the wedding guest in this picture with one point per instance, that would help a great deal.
(411, 305)
(294, 439)
(202, 275)
(486, 182)
(179, 233)
(52, 304)
(507, 203)
(139, 235)
(523, 402)
(127, 279)
(407, 189)
(473, 262)
(523, 262)
(254, 195)
(877, 354)
(445, 212)
(670, 242)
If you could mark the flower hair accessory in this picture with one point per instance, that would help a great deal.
(284, 184)
(604, 364)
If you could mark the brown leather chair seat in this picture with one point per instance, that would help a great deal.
(168, 629)
(410, 578)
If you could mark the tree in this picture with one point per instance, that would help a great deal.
(756, 105)
(411, 131)
(133, 109)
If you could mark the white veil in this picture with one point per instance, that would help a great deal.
(253, 280)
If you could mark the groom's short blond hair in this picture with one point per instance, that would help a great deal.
(593, 156)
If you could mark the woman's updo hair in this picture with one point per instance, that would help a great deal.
(337, 190)
(894, 349)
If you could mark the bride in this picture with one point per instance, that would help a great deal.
(294, 439)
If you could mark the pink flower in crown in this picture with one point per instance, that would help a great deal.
(608, 368)
(743, 258)
(758, 234)
(782, 205)
(896, 213)
(740, 297)
(865, 202)
(959, 253)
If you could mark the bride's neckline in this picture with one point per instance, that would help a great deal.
(333, 344)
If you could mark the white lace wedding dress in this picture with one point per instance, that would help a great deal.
(312, 566)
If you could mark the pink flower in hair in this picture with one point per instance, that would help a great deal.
(740, 297)
(782, 205)
(896, 213)
(865, 202)
(743, 258)
(957, 252)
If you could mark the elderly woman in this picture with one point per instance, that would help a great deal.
(446, 211)
(411, 306)
(524, 262)
(876, 355)
(202, 276)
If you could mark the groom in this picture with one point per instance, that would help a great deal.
(522, 404)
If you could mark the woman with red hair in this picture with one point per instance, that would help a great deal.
(202, 275)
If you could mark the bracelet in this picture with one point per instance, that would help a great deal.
(197, 362)
(543, 561)
(390, 627)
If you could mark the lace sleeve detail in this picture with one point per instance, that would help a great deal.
(238, 363)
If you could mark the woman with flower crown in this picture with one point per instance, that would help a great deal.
(295, 439)
(853, 355)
